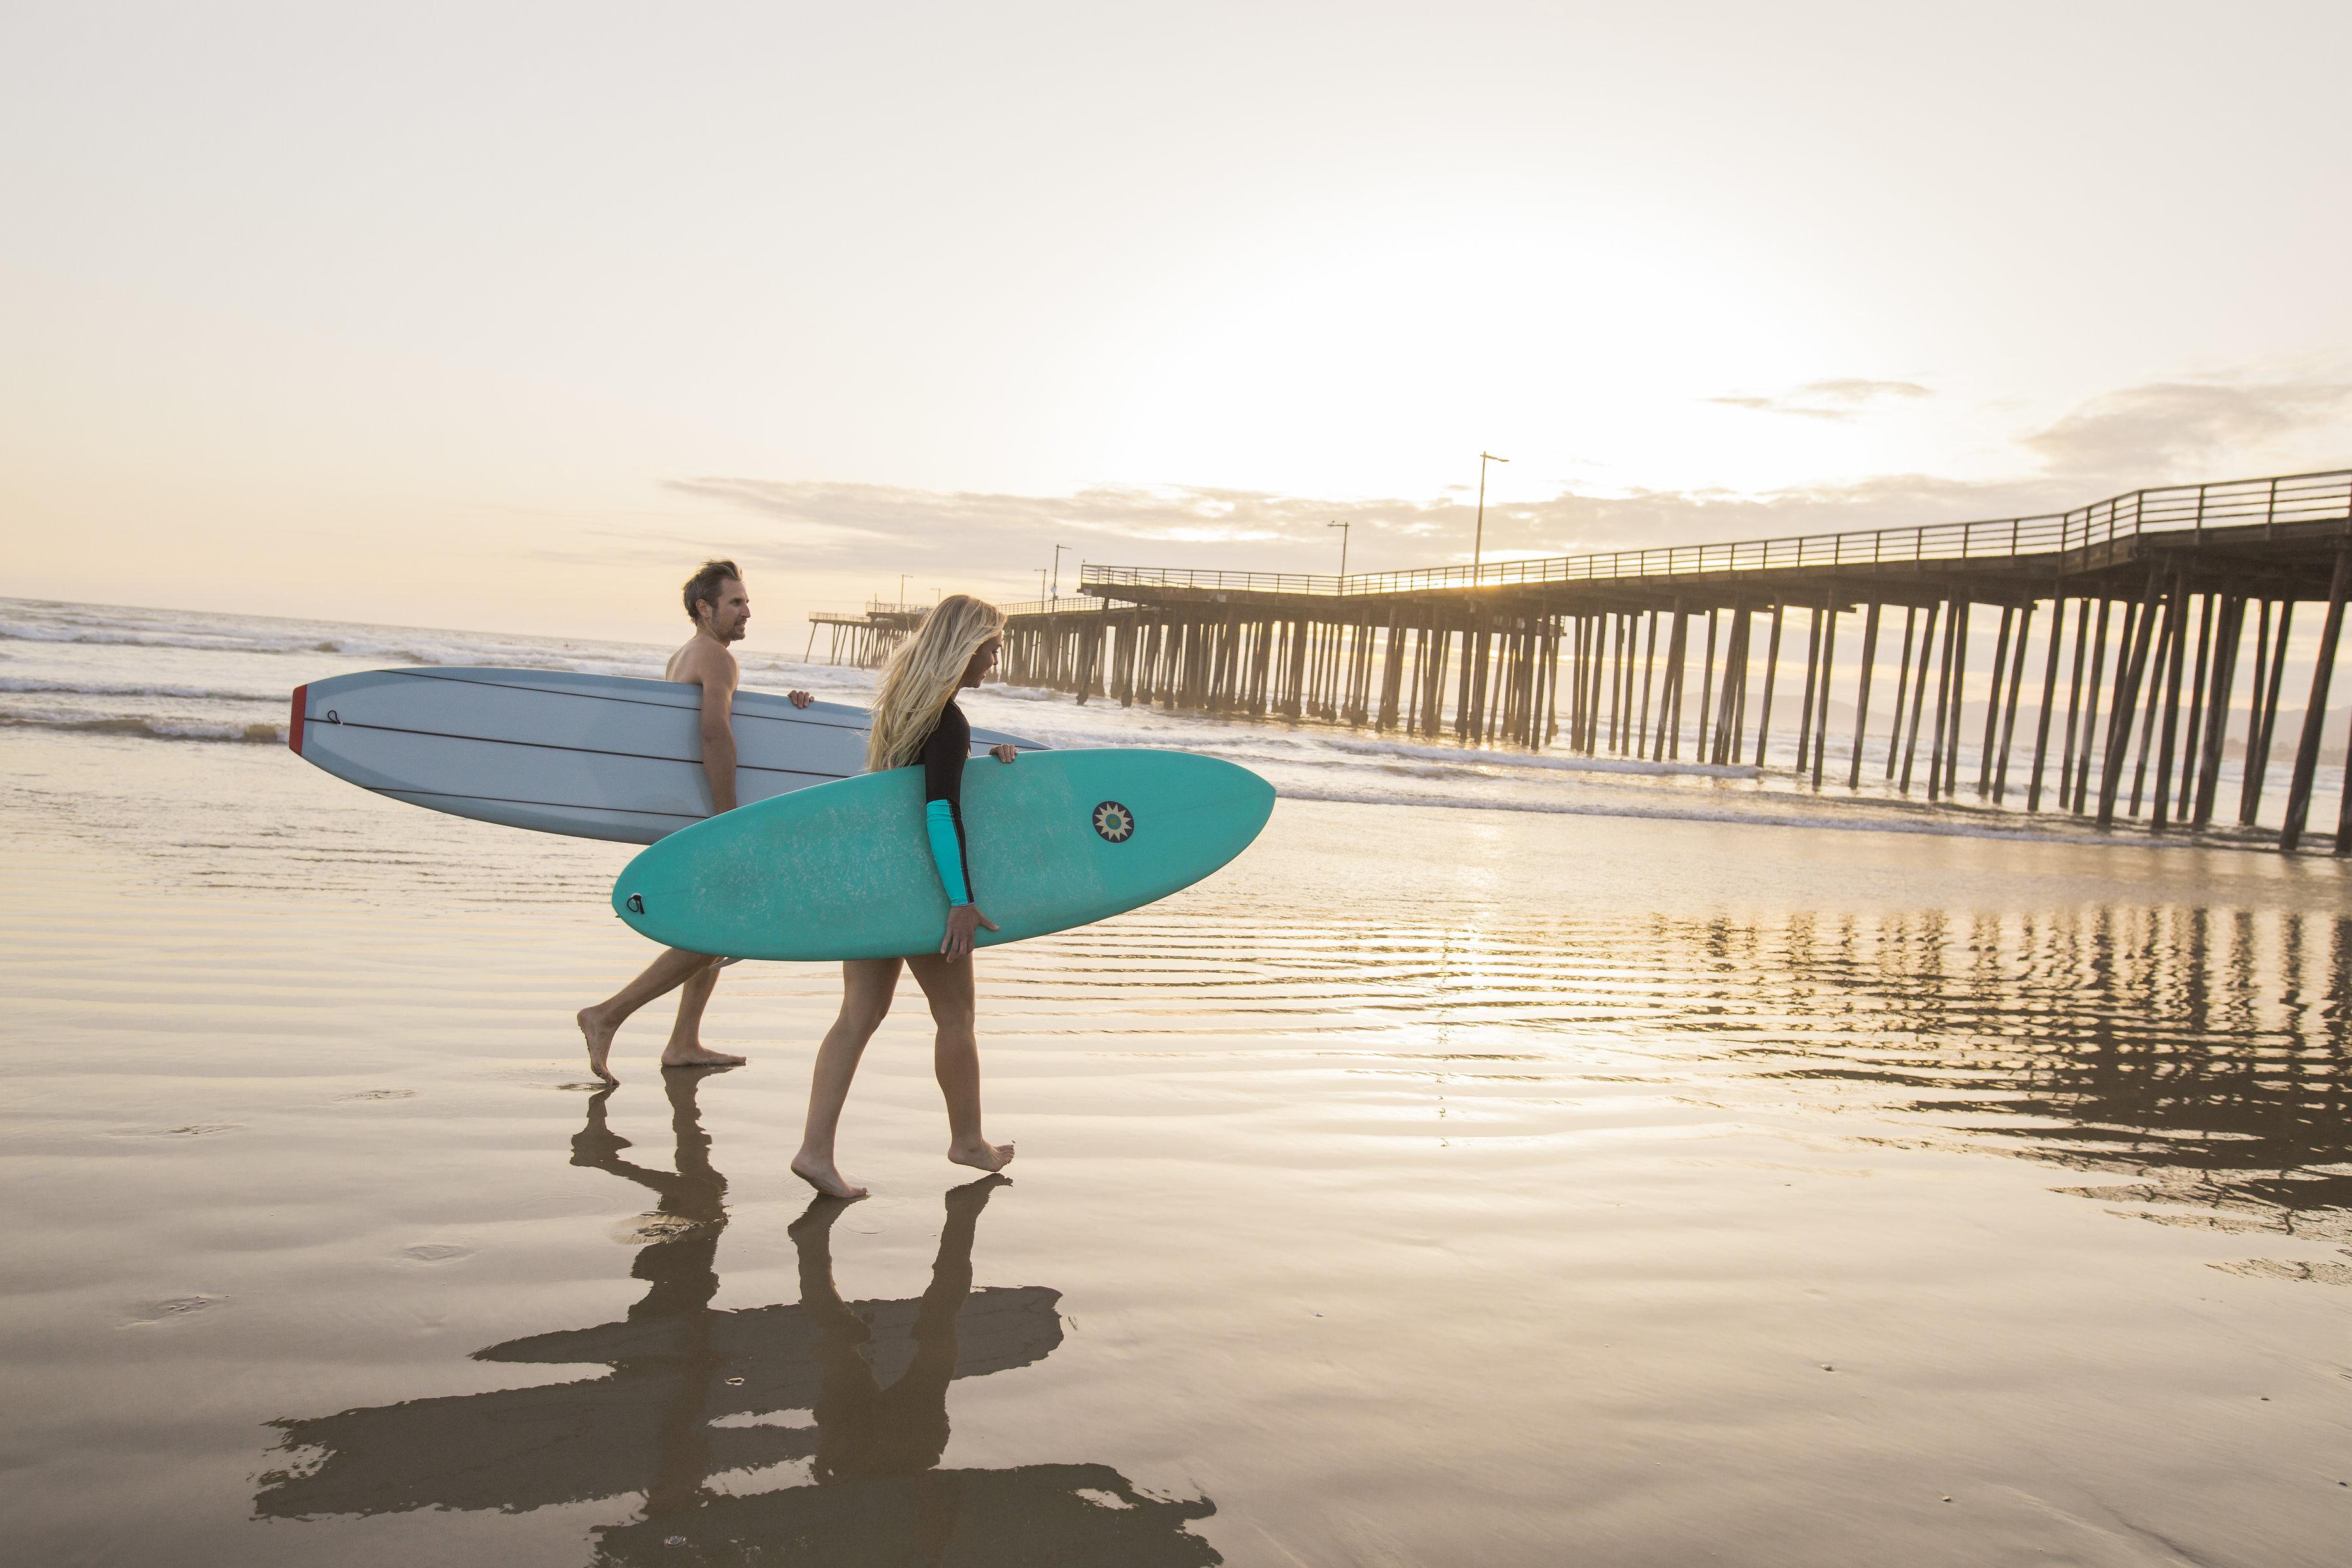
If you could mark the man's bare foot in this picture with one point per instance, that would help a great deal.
(825, 1177)
(696, 1057)
(981, 1155)
(599, 1035)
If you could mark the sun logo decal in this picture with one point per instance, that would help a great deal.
(1114, 822)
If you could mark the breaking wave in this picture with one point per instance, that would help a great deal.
(34, 621)
(151, 728)
(16, 685)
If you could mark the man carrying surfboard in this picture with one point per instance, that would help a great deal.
(720, 609)
(917, 722)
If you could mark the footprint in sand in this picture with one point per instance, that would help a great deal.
(436, 1252)
(164, 1312)
(193, 1129)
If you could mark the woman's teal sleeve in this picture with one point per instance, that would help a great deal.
(947, 849)
(945, 752)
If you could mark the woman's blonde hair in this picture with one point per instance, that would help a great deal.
(923, 674)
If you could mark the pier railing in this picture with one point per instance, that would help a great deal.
(873, 607)
(2190, 509)
(1082, 604)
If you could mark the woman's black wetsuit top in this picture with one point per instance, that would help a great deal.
(943, 754)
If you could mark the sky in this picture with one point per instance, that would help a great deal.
(503, 316)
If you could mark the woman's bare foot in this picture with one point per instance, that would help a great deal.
(696, 1057)
(968, 1200)
(811, 1234)
(599, 1035)
(825, 1177)
(981, 1155)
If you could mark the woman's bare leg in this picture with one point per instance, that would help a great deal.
(599, 1022)
(955, 1058)
(865, 987)
(685, 1047)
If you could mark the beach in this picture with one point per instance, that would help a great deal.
(1501, 1163)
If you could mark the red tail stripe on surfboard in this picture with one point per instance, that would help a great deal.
(294, 727)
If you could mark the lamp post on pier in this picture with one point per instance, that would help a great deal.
(1478, 540)
(1343, 527)
(1057, 571)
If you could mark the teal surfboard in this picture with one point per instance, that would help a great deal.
(844, 870)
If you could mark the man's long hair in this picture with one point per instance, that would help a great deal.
(923, 673)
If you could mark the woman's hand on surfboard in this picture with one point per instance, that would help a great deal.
(799, 699)
(961, 919)
(1005, 754)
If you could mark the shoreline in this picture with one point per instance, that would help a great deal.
(212, 680)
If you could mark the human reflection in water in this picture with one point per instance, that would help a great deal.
(881, 1430)
(863, 1428)
(694, 1393)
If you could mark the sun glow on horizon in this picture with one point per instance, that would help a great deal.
(390, 313)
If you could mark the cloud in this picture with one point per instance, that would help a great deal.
(832, 518)
(2155, 429)
(994, 541)
(1840, 397)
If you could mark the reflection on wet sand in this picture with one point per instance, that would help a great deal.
(2200, 1052)
(874, 1375)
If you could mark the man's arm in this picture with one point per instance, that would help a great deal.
(717, 678)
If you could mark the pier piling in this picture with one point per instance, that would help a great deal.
(1593, 654)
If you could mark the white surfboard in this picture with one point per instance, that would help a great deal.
(594, 757)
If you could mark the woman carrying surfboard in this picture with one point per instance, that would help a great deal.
(917, 721)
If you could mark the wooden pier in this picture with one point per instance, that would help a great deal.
(863, 637)
(2145, 635)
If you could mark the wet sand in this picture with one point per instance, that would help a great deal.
(1435, 1186)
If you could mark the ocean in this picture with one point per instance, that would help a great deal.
(167, 675)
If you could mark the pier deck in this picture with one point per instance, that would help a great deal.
(1595, 652)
